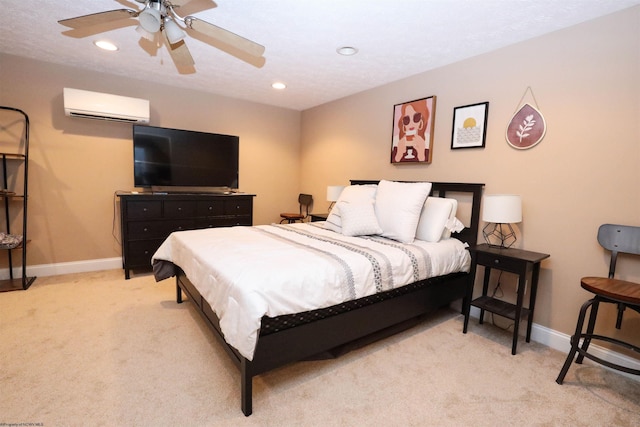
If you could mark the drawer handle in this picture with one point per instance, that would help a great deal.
(144, 209)
(210, 208)
(145, 229)
(179, 209)
(496, 261)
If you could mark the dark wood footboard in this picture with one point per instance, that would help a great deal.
(331, 333)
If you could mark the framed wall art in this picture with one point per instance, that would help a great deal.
(527, 127)
(412, 138)
(470, 126)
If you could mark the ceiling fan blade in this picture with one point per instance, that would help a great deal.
(150, 46)
(189, 7)
(99, 18)
(225, 36)
(181, 56)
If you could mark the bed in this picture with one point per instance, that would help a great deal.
(356, 307)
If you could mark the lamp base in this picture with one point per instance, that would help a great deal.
(499, 235)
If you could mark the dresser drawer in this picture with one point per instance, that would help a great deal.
(144, 209)
(146, 229)
(223, 221)
(213, 207)
(233, 206)
(501, 262)
(179, 225)
(180, 208)
(141, 251)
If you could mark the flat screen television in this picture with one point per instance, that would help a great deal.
(183, 160)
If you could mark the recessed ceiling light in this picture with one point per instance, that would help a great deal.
(103, 44)
(347, 50)
(278, 85)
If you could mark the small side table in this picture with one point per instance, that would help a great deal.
(318, 217)
(523, 263)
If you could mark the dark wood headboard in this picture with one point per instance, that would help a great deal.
(470, 233)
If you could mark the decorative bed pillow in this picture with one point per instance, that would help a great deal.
(398, 207)
(359, 219)
(351, 194)
(435, 215)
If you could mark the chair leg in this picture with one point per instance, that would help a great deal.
(590, 327)
(621, 308)
(575, 339)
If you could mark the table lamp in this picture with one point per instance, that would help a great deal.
(333, 193)
(500, 211)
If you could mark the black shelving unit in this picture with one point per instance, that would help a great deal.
(14, 138)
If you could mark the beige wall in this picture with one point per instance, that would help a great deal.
(585, 172)
(76, 165)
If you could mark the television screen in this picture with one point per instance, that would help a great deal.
(165, 157)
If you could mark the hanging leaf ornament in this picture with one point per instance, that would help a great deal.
(526, 128)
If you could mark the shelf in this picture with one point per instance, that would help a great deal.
(8, 194)
(16, 156)
(19, 246)
(14, 164)
(501, 308)
(18, 284)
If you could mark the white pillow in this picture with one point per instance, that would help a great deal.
(436, 213)
(398, 207)
(359, 219)
(351, 194)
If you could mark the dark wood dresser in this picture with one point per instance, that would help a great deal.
(147, 219)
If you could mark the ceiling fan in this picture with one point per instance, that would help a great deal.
(161, 21)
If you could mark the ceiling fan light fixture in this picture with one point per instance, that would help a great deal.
(172, 30)
(150, 20)
(145, 34)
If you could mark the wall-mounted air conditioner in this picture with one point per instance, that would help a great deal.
(104, 106)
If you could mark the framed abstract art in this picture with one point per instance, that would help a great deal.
(469, 126)
(412, 138)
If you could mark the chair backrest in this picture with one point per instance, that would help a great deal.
(305, 201)
(619, 239)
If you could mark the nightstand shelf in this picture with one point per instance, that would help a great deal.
(526, 264)
(501, 308)
(318, 217)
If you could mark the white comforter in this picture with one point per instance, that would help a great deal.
(245, 273)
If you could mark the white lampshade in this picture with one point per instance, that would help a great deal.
(145, 34)
(150, 20)
(173, 31)
(502, 208)
(333, 192)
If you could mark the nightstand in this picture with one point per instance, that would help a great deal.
(525, 264)
(318, 217)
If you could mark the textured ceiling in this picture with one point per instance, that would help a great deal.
(395, 38)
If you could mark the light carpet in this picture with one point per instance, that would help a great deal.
(93, 349)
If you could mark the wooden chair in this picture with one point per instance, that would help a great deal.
(305, 201)
(624, 294)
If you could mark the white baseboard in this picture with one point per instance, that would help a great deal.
(65, 268)
(562, 342)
